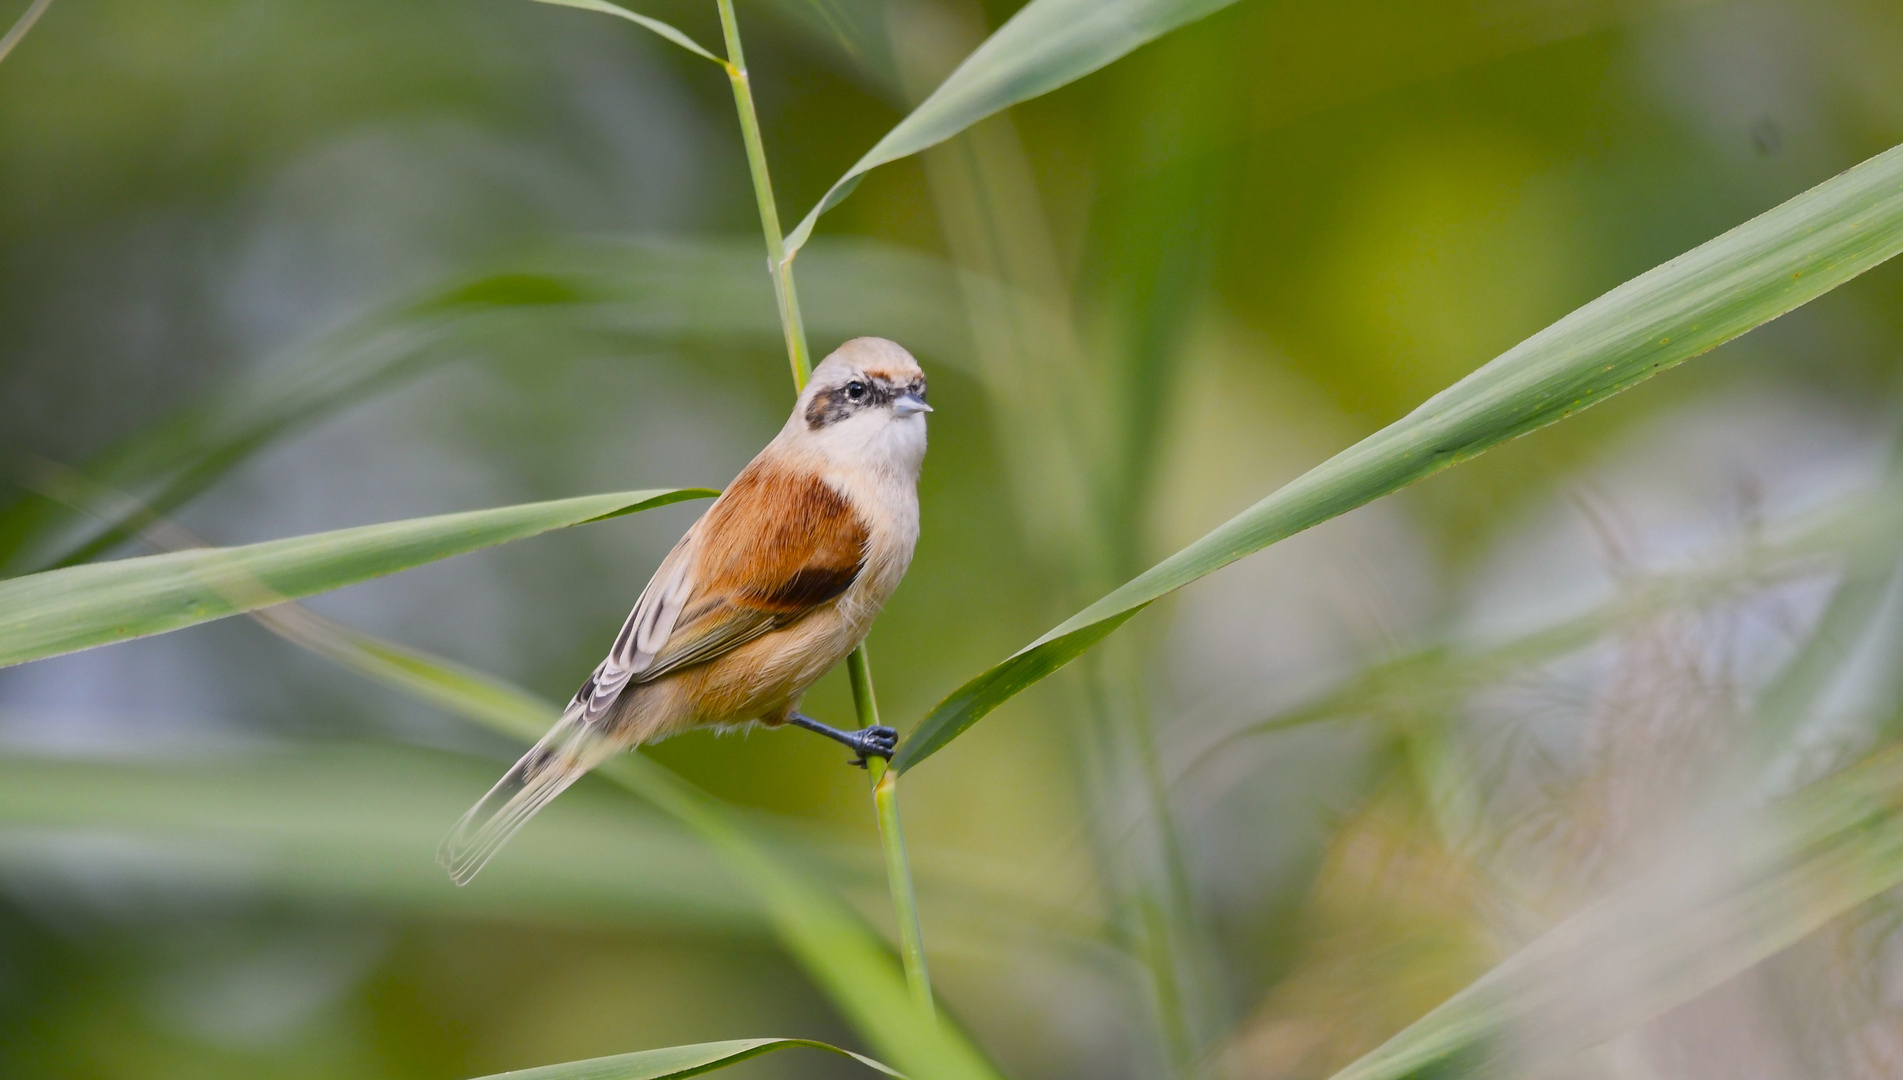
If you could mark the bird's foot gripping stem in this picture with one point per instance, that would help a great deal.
(866, 742)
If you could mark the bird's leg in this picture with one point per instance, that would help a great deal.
(866, 742)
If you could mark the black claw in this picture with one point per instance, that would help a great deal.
(866, 742)
(873, 742)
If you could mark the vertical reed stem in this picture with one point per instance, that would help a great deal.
(777, 265)
(898, 868)
(885, 790)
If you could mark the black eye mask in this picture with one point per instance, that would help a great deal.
(834, 404)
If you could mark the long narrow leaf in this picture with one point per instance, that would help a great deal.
(656, 25)
(1046, 44)
(1713, 293)
(828, 940)
(358, 825)
(1863, 530)
(833, 945)
(676, 1061)
(1668, 936)
(79, 607)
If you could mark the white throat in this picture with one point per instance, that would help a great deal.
(873, 441)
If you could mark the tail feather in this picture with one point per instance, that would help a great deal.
(563, 756)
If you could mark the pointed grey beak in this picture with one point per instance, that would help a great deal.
(907, 404)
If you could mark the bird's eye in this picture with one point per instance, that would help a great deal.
(856, 390)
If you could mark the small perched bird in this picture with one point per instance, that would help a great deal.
(776, 583)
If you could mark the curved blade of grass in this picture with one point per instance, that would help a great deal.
(656, 25)
(1783, 258)
(79, 607)
(677, 1061)
(1667, 937)
(1046, 44)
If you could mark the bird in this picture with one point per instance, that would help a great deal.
(767, 591)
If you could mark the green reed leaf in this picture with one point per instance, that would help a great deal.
(79, 607)
(1785, 257)
(1668, 936)
(834, 946)
(1856, 536)
(1046, 44)
(354, 824)
(656, 25)
(677, 1061)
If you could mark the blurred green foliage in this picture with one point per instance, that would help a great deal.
(1221, 259)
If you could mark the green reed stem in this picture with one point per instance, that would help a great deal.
(898, 868)
(791, 322)
(885, 790)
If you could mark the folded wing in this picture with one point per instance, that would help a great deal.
(773, 547)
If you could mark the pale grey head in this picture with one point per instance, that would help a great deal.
(865, 377)
(865, 406)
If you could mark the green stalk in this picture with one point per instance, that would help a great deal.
(777, 262)
(898, 869)
(885, 791)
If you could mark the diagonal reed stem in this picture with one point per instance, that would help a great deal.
(885, 791)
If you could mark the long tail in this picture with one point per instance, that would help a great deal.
(563, 756)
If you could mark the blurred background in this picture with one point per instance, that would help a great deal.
(278, 267)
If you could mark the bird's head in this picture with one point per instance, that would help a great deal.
(867, 400)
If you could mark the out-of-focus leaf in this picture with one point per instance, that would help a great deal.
(837, 950)
(79, 607)
(666, 290)
(21, 25)
(656, 25)
(1862, 530)
(352, 823)
(1046, 44)
(676, 1061)
(177, 458)
(1859, 612)
(642, 290)
(1711, 294)
(1670, 935)
(857, 31)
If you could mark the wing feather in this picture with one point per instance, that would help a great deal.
(772, 548)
